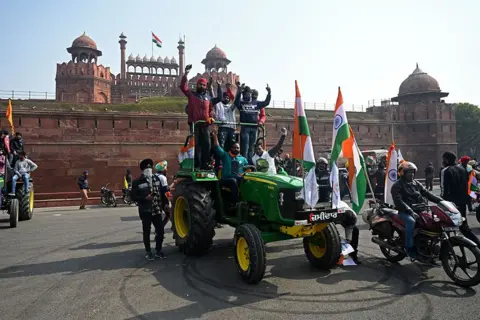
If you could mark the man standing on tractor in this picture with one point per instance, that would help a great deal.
(23, 168)
(261, 116)
(146, 191)
(233, 165)
(225, 112)
(16, 146)
(200, 108)
(270, 154)
(249, 113)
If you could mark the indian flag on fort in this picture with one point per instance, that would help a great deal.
(303, 150)
(343, 142)
(156, 40)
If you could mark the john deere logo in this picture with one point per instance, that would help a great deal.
(337, 123)
(392, 175)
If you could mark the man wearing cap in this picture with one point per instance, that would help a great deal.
(83, 185)
(200, 108)
(146, 192)
(249, 113)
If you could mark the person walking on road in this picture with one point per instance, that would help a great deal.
(83, 185)
(429, 174)
(146, 191)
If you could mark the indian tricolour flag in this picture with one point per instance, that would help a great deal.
(156, 40)
(391, 176)
(343, 142)
(303, 150)
(473, 185)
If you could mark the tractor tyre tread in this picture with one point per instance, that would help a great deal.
(24, 203)
(257, 252)
(333, 249)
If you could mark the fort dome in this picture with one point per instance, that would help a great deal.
(216, 53)
(84, 41)
(417, 83)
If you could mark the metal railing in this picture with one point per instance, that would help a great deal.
(276, 104)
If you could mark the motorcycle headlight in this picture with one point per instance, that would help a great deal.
(366, 214)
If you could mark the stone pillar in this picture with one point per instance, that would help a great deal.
(181, 56)
(123, 46)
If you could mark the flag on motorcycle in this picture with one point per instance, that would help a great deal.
(357, 178)
(399, 156)
(391, 176)
(473, 185)
(303, 150)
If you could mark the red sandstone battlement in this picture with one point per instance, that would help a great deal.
(81, 68)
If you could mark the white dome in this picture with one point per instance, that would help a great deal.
(153, 59)
(131, 57)
(166, 60)
(145, 58)
(138, 58)
(173, 61)
(159, 59)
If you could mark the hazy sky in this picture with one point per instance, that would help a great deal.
(367, 47)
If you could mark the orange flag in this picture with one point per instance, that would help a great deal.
(9, 115)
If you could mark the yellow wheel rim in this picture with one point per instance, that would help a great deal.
(318, 248)
(179, 214)
(32, 199)
(243, 254)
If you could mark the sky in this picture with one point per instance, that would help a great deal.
(366, 47)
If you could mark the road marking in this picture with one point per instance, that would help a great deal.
(57, 214)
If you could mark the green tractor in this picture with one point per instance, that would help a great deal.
(19, 207)
(269, 209)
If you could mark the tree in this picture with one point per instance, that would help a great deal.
(468, 129)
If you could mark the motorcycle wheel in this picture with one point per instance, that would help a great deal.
(393, 256)
(113, 200)
(102, 199)
(461, 265)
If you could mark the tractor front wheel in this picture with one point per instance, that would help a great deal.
(324, 248)
(13, 212)
(250, 253)
(193, 219)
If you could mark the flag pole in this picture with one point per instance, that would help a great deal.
(366, 171)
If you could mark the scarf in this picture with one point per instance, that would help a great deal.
(157, 197)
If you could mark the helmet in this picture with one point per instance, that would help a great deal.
(405, 167)
(322, 160)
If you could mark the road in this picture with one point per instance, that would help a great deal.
(71, 264)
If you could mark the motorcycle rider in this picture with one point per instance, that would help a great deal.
(406, 192)
(146, 191)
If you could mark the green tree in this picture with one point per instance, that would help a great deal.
(468, 129)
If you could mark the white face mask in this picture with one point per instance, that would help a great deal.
(148, 172)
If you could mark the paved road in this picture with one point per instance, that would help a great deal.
(70, 264)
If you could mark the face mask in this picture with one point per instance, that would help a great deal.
(148, 172)
(201, 90)
(235, 152)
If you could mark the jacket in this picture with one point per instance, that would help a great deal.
(249, 111)
(140, 191)
(406, 194)
(262, 117)
(379, 177)
(200, 106)
(16, 145)
(454, 185)
(83, 183)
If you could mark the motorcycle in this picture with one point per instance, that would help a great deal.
(107, 196)
(126, 196)
(435, 237)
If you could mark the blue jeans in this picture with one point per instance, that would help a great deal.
(26, 182)
(248, 137)
(409, 227)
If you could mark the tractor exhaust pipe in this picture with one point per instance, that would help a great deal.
(385, 245)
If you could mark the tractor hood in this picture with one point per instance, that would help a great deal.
(278, 179)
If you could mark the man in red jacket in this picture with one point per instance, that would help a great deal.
(261, 116)
(200, 108)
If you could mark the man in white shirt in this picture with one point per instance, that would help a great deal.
(270, 154)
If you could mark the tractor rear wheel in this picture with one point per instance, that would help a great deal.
(193, 219)
(324, 248)
(26, 202)
(250, 253)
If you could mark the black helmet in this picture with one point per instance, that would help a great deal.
(405, 167)
(322, 160)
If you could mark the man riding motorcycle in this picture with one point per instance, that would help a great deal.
(407, 192)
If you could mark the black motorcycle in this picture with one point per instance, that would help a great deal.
(107, 196)
(126, 196)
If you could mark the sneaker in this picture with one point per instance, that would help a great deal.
(160, 255)
(12, 194)
(149, 256)
(82, 208)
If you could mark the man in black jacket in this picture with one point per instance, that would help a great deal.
(146, 191)
(429, 174)
(407, 192)
(454, 186)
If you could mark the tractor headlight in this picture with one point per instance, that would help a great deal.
(298, 195)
